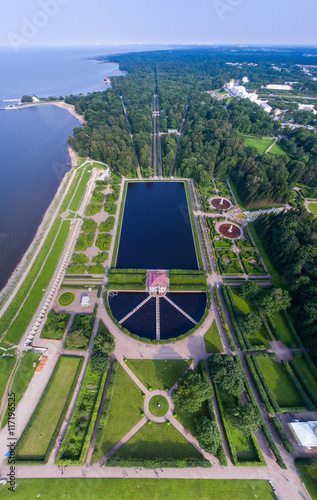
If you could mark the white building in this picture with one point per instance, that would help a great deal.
(267, 108)
(279, 87)
(307, 107)
(84, 301)
(35, 99)
(245, 79)
(305, 433)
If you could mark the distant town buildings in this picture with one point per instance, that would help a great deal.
(307, 107)
(240, 91)
(245, 79)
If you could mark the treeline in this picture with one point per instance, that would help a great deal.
(290, 238)
(302, 147)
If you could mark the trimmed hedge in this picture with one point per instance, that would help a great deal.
(118, 232)
(194, 229)
(258, 385)
(305, 399)
(304, 382)
(205, 245)
(265, 385)
(292, 329)
(265, 323)
(154, 464)
(282, 434)
(264, 427)
(227, 294)
(224, 321)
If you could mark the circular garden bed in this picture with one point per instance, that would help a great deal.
(230, 231)
(66, 299)
(220, 203)
(158, 406)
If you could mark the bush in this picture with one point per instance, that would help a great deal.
(110, 208)
(79, 258)
(76, 269)
(304, 382)
(98, 269)
(84, 241)
(103, 241)
(100, 362)
(66, 299)
(89, 226)
(97, 197)
(55, 325)
(283, 436)
(101, 257)
(107, 225)
(154, 464)
(93, 209)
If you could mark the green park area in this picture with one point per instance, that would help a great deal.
(280, 384)
(157, 442)
(280, 324)
(260, 143)
(308, 474)
(277, 150)
(126, 407)
(313, 208)
(158, 374)
(134, 489)
(6, 365)
(212, 339)
(40, 433)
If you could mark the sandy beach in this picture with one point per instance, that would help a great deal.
(61, 104)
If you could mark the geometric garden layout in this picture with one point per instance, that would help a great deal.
(156, 371)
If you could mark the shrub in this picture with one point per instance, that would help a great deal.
(79, 258)
(103, 241)
(101, 257)
(97, 269)
(97, 197)
(154, 464)
(76, 269)
(110, 208)
(66, 299)
(84, 241)
(55, 325)
(283, 436)
(107, 225)
(93, 209)
(89, 226)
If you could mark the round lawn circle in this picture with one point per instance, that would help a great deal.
(158, 406)
(66, 299)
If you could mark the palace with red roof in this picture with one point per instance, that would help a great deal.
(157, 281)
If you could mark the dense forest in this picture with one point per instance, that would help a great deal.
(290, 239)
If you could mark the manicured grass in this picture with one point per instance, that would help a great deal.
(158, 441)
(26, 313)
(313, 208)
(278, 280)
(22, 377)
(66, 299)
(125, 410)
(145, 489)
(304, 368)
(46, 419)
(278, 320)
(278, 380)
(158, 373)
(308, 475)
(246, 306)
(188, 419)
(158, 406)
(277, 150)
(6, 367)
(80, 191)
(212, 339)
(260, 143)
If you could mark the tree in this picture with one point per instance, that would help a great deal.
(244, 417)
(100, 363)
(104, 343)
(226, 373)
(250, 290)
(277, 300)
(26, 98)
(191, 392)
(208, 434)
(251, 323)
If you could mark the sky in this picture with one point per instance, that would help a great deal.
(70, 22)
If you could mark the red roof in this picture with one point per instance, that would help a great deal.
(157, 279)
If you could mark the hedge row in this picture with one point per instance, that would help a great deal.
(265, 385)
(155, 464)
(172, 272)
(304, 382)
(292, 329)
(220, 452)
(107, 404)
(282, 434)
(224, 321)
(205, 246)
(258, 385)
(29, 460)
(113, 270)
(227, 294)
(310, 363)
(118, 232)
(305, 399)
(264, 427)
(194, 230)
(265, 323)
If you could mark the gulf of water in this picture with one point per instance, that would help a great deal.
(33, 141)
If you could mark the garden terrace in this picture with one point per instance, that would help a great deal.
(40, 434)
(229, 263)
(252, 263)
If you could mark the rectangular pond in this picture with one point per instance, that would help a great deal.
(156, 230)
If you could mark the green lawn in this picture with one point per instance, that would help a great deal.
(46, 418)
(212, 339)
(246, 306)
(304, 368)
(125, 411)
(80, 191)
(23, 377)
(157, 373)
(313, 208)
(260, 143)
(281, 325)
(308, 475)
(158, 442)
(278, 280)
(158, 406)
(277, 150)
(6, 367)
(136, 489)
(188, 419)
(278, 380)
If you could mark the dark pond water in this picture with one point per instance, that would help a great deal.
(125, 302)
(173, 323)
(156, 230)
(194, 304)
(143, 321)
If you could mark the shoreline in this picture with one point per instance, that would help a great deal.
(20, 268)
(61, 104)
